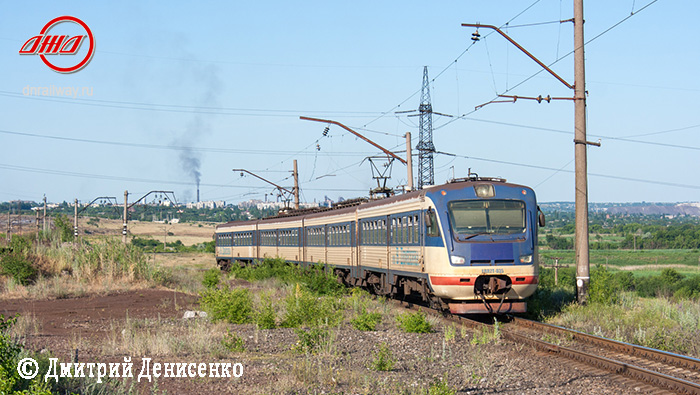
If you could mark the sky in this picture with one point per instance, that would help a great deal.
(178, 92)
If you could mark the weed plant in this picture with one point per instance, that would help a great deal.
(314, 340)
(232, 342)
(232, 305)
(487, 335)
(318, 279)
(383, 360)
(366, 321)
(266, 314)
(440, 387)
(306, 309)
(414, 322)
(212, 277)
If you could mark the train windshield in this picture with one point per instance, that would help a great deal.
(472, 217)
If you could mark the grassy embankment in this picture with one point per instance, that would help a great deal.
(650, 298)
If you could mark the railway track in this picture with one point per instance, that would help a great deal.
(660, 369)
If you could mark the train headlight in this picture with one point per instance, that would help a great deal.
(526, 258)
(484, 191)
(457, 260)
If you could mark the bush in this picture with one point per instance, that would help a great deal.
(8, 349)
(234, 305)
(20, 244)
(65, 227)
(414, 323)
(604, 288)
(384, 361)
(366, 321)
(266, 316)
(210, 247)
(163, 276)
(305, 309)
(316, 278)
(18, 267)
(566, 275)
(688, 288)
(669, 283)
(211, 278)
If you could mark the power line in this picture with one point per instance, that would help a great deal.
(131, 179)
(597, 135)
(175, 147)
(679, 185)
(383, 114)
(551, 64)
(186, 108)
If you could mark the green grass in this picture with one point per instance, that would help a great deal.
(652, 322)
(627, 257)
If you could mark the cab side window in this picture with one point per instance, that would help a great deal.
(431, 224)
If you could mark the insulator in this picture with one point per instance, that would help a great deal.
(241, 174)
(318, 147)
(325, 131)
(476, 36)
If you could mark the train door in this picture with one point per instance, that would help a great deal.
(357, 267)
(353, 240)
(389, 231)
(300, 244)
(256, 241)
(325, 243)
(302, 241)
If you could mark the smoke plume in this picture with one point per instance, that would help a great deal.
(199, 126)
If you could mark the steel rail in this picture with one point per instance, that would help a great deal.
(651, 377)
(670, 358)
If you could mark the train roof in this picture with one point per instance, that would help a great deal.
(349, 206)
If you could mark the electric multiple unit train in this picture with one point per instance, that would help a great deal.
(469, 246)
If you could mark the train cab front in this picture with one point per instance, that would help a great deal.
(489, 260)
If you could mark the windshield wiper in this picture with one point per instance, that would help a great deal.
(476, 234)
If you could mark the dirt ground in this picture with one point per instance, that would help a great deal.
(188, 233)
(62, 323)
(271, 364)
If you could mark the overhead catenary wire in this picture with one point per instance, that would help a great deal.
(133, 179)
(531, 166)
(551, 64)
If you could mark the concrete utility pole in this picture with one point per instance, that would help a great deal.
(43, 220)
(409, 161)
(19, 215)
(75, 221)
(9, 210)
(126, 197)
(580, 143)
(582, 258)
(296, 186)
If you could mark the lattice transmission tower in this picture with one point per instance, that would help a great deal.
(425, 147)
